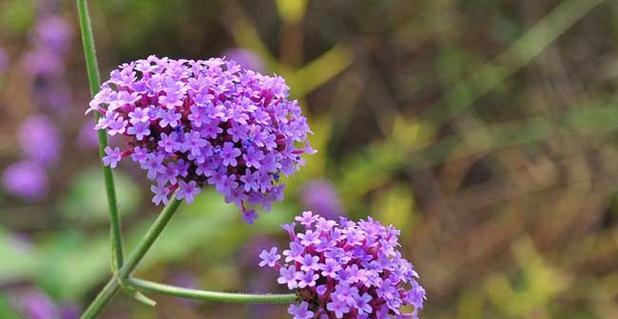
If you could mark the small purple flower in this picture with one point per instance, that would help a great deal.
(295, 253)
(154, 164)
(289, 276)
(269, 258)
(308, 279)
(307, 218)
(168, 117)
(169, 143)
(26, 180)
(187, 191)
(253, 157)
(339, 307)
(160, 194)
(362, 303)
(139, 115)
(112, 156)
(229, 154)
(194, 143)
(309, 262)
(249, 216)
(116, 125)
(309, 238)
(300, 311)
(140, 130)
(330, 268)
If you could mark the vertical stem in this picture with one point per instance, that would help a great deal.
(94, 82)
(112, 287)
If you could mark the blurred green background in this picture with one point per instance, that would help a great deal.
(485, 130)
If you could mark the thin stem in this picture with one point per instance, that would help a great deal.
(94, 81)
(153, 233)
(108, 292)
(103, 298)
(149, 286)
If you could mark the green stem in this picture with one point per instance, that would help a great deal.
(94, 81)
(108, 292)
(153, 233)
(149, 286)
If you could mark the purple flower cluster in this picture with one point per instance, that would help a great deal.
(191, 123)
(346, 270)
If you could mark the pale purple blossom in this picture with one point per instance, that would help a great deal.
(289, 276)
(26, 179)
(300, 311)
(269, 258)
(249, 216)
(112, 156)
(187, 191)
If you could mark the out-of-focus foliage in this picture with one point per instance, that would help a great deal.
(486, 130)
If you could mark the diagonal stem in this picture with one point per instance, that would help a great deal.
(112, 287)
(525, 49)
(94, 82)
(215, 296)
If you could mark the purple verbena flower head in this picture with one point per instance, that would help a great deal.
(26, 180)
(40, 140)
(346, 269)
(198, 122)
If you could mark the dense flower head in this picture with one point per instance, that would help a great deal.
(191, 123)
(345, 269)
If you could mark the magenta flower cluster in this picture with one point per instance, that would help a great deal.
(191, 123)
(345, 270)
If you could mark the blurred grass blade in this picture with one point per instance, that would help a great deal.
(530, 45)
(321, 69)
